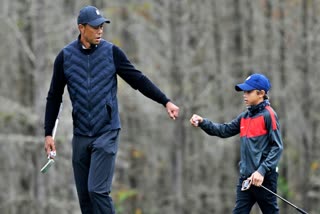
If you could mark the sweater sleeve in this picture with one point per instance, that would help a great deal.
(54, 97)
(275, 143)
(135, 78)
(222, 130)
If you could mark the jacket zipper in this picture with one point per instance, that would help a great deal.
(247, 141)
(89, 91)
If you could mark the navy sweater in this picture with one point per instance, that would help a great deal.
(124, 68)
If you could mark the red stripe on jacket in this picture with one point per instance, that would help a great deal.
(273, 118)
(254, 127)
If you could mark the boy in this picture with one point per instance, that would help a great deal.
(261, 144)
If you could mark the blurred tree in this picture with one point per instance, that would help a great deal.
(196, 52)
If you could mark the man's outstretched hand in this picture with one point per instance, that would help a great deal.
(173, 110)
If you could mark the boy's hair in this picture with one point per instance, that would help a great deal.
(265, 96)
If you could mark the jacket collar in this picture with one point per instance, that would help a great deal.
(258, 108)
(86, 50)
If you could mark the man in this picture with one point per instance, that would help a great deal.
(89, 67)
(261, 145)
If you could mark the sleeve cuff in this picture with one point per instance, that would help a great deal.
(262, 170)
(204, 121)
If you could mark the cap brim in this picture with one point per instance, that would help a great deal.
(244, 87)
(98, 22)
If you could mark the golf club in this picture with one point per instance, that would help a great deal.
(50, 162)
(288, 202)
(247, 183)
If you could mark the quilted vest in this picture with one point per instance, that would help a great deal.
(92, 86)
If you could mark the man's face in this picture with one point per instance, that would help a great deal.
(90, 35)
(253, 97)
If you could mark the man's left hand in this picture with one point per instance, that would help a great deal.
(172, 110)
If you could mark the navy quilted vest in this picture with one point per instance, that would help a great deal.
(92, 85)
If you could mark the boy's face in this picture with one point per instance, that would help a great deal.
(253, 97)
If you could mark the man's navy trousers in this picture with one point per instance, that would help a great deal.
(93, 160)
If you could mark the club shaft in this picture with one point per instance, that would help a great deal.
(56, 123)
(55, 128)
(288, 202)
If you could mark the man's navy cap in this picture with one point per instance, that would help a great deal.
(254, 82)
(91, 15)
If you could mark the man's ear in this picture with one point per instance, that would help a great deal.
(80, 27)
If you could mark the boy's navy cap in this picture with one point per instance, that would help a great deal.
(254, 82)
(91, 15)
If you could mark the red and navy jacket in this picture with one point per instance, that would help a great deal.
(260, 137)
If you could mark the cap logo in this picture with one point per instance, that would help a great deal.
(97, 12)
(248, 77)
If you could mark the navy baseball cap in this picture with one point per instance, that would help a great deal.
(91, 15)
(254, 82)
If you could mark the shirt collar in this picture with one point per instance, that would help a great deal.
(83, 47)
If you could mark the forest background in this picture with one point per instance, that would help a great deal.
(195, 51)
